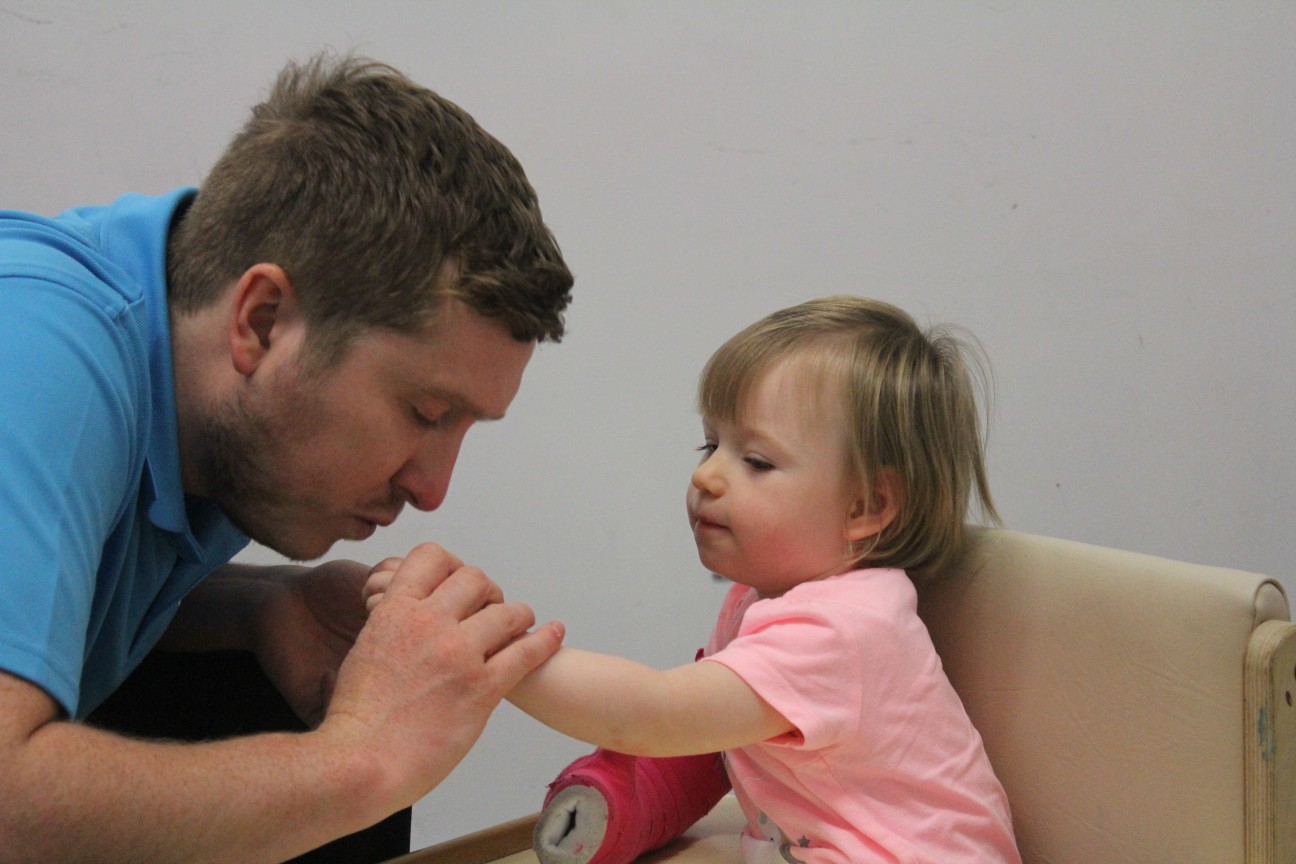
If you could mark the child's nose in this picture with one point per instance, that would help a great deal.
(706, 477)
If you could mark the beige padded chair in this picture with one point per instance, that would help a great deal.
(1138, 710)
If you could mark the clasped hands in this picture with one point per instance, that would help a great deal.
(436, 647)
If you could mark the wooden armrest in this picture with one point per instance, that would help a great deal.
(482, 847)
(1270, 741)
(713, 840)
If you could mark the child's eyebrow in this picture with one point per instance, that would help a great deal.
(752, 436)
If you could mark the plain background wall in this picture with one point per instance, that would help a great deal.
(1104, 192)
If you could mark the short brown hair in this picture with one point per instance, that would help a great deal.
(369, 190)
(910, 404)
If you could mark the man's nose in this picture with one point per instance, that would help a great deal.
(425, 478)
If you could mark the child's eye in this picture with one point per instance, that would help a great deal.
(707, 449)
(759, 464)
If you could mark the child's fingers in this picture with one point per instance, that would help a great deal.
(386, 564)
(375, 586)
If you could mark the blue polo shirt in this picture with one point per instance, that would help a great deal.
(98, 543)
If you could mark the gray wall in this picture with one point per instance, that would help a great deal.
(1103, 192)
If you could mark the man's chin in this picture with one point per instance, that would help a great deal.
(300, 552)
(294, 547)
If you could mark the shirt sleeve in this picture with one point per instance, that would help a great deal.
(68, 385)
(830, 656)
(802, 664)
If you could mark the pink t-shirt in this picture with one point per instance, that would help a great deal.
(884, 764)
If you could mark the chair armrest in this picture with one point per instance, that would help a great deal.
(481, 847)
(713, 840)
(1270, 742)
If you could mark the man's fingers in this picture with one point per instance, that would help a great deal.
(422, 570)
(464, 592)
(461, 594)
(497, 632)
(492, 628)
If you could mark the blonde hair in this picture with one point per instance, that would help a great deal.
(910, 402)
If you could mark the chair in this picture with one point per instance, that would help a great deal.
(1137, 710)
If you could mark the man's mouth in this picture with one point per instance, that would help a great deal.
(384, 516)
(372, 522)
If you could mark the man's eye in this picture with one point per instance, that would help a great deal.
(423, 420)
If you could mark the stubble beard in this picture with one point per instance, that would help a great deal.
(238, 454)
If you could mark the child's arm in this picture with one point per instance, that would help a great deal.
(628, 707)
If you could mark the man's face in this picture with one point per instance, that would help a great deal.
(305, 459)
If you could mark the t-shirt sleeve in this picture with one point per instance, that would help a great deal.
(808, 660)
(67, 448)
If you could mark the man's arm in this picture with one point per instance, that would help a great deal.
(300, 623)
(222, 611)
(630, 708)
(433, 660)
(87, 795)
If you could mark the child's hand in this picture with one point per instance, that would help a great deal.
(380, 576)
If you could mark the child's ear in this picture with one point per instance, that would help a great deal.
(877, 508)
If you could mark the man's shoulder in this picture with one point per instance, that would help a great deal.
(76, 344)
(108, 255)
(48, 262)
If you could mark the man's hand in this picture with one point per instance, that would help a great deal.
(410, 686)
(427, 668)
(438, 653)
(299, 622)
(305, 629)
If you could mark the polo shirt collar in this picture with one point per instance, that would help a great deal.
(135, 237)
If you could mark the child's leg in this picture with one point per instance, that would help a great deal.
(609, 808)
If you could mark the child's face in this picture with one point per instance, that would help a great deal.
(768, 504)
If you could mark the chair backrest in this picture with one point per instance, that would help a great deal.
(1108, 687)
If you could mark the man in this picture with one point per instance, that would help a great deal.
(291, 355)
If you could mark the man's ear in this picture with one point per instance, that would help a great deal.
(263, 301)
(877, 508)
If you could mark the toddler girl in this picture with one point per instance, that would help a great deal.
(842, 444)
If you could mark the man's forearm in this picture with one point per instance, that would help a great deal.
(432, 661)
(222, 611)
(76, 793)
